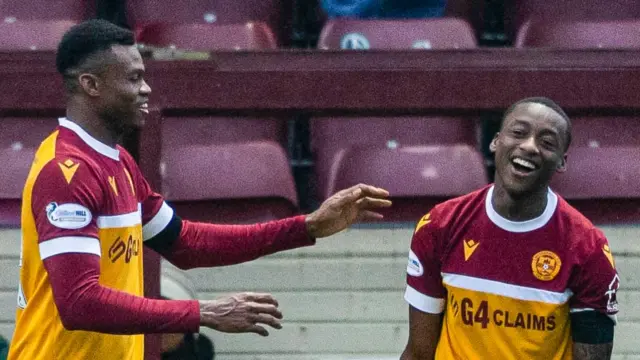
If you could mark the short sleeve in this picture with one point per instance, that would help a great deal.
(156, 213)
(596, 283)
(425, 290)
(65, 200)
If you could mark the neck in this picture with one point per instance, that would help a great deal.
(90, 122)
(518, 208)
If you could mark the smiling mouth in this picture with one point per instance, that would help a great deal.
(523, 167)
(144, 108)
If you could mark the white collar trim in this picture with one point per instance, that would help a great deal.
(521, 226)
(93, 143)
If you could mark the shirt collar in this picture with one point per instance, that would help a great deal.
(521, 226)
(93, 143)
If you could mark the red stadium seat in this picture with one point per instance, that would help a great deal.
(443, 33)
(580, 34)
(33, 34)
(229, 183)
(220, 130)
(205, 37)
(417, 177)
(11, 10)
(602, 182)
(19, 140)
(605, 131)
(225, 12)
(519, 12)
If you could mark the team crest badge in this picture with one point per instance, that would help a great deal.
(545, 265)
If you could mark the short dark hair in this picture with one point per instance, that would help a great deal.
(548, 103)
(86, 39)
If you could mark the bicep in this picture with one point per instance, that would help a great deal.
(424, 332)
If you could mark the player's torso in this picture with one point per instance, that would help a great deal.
(39, 333)
(507, 292)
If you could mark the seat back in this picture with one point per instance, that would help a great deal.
(235, 182)
(442, 33)
(618, 34)
(78, 10)
(206, 37)
(602, 183)
(417, 177)
(330, 137)
(33, 34)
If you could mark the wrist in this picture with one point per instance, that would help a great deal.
(311, 226)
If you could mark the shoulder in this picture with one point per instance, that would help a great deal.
(583, 236)
(445, 214)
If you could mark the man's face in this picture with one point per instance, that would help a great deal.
(529, 148)
(123, 91)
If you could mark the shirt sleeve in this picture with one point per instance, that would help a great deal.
(425, 290)
(65, 201)
(596, 283)
(156, 213)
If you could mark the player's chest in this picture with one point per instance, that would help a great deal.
(537, 259)
(119, 190)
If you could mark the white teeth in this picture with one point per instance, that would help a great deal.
(524, 163)
(145, 105)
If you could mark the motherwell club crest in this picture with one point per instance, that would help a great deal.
(545, 265)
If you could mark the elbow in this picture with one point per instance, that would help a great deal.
(73, 321)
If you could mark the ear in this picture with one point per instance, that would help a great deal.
(562, 166)
(89, 84)
(494, 143)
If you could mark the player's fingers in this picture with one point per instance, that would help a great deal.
(372, 203)
(265, 309)
(261, 298)
(267, 320)
(369, 215)
(258, 330)
(373, 191)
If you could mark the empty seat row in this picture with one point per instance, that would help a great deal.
(445, 33)
(244, 176)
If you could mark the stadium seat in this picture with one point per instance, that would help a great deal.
(333, 138)
(220, 130)
(229, 183)
(205, 37)
(33, 34)
(12, 10)
(605, 131)
(602, 183)
(580, 34)
(144, 12)
(19, 139)
(519, 12)
(442, 33)
(417, 177)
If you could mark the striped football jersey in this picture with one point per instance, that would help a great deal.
(507, 288)
(81, 196)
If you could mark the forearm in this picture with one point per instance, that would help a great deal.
(84, 304)
(592, 351)
(207, 245)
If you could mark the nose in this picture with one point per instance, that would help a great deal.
(145, 89)
(529, 145)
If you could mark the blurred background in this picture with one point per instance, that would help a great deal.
(262, 109)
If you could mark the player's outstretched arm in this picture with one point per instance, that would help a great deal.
(189, 244)
(424, 332)
(84, 304)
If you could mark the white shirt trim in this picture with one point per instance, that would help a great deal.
(423, 302)
(120, 221)
(93, 143)
(505, 289)
(521, 226)
(69, 244)
(158, 222)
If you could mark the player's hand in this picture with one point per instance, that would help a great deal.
(241, 313)
(345, 207)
